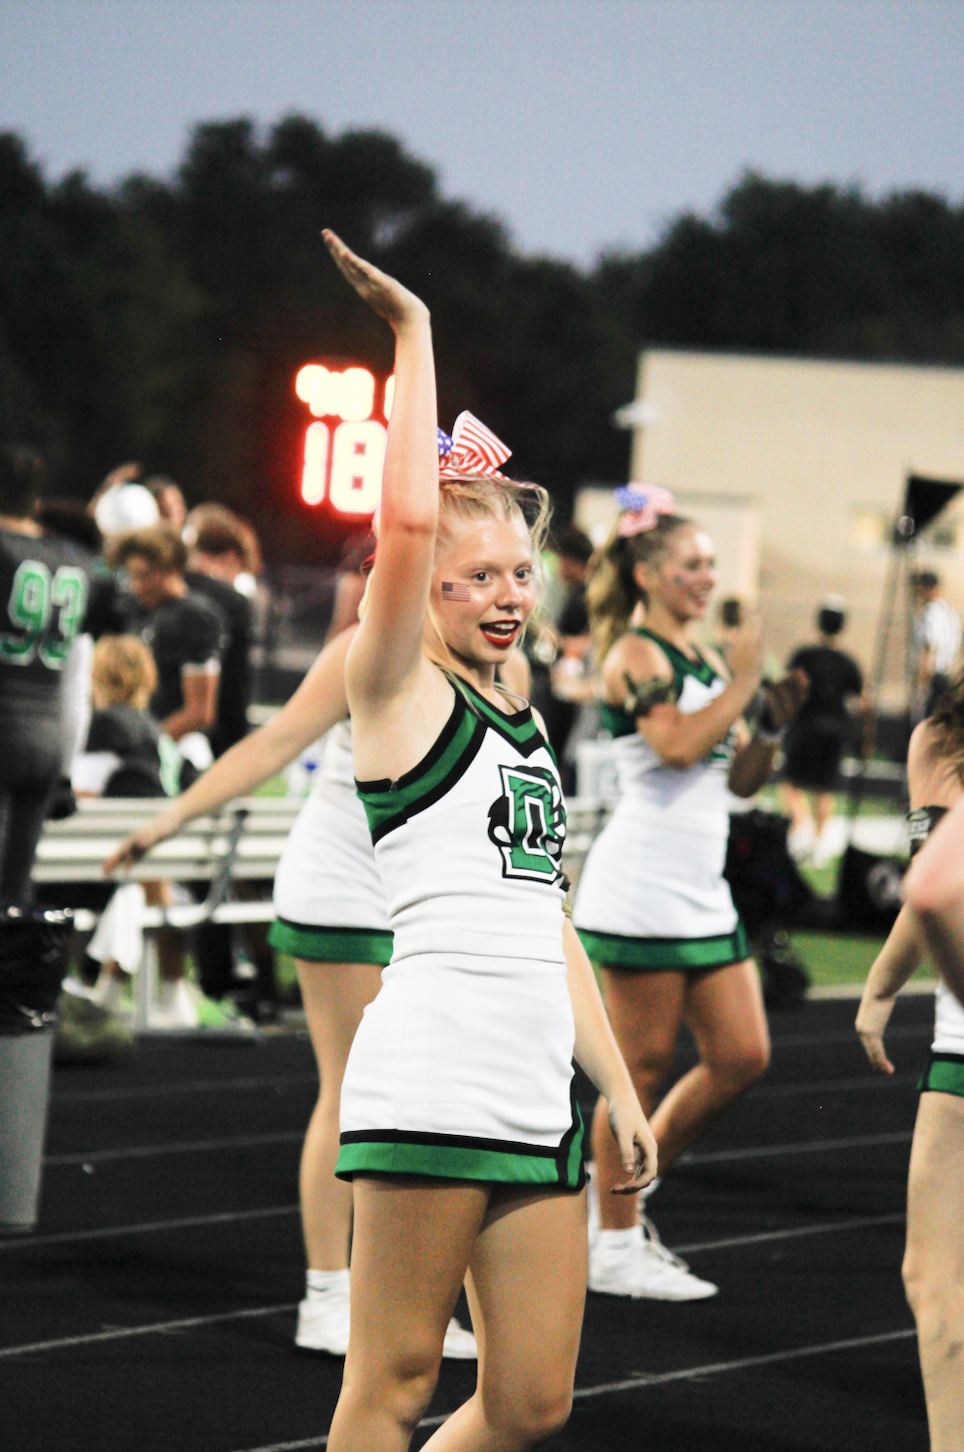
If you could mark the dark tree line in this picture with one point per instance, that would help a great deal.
(164, 319)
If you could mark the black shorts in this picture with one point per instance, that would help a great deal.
(813, 750)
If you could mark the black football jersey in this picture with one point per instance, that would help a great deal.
(44, 589)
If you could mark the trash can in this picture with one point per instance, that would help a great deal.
(33, 961)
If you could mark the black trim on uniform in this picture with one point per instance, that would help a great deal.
(565, 1144)
(385, 784)
(453, 1141)
(461, 766)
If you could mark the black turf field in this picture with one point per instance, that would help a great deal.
(154, 1307)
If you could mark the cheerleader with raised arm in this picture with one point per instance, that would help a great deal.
(459, 1125)
(653, 909)
(934, 1258)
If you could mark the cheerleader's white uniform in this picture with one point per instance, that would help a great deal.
(652, 895)
(462, 1066)
(328, 896)
(945, 1067)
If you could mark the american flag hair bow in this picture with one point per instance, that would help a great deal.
(641, 506)
(472, 449)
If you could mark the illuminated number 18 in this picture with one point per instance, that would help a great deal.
(357, 458)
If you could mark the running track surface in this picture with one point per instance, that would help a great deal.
(153, 1311)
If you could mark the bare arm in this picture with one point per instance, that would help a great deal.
(200, 691)
(315, 707)
(753, 762)
(891, 969)
(386, 654)
(680, 740)
(598, 1053)
(935, 890)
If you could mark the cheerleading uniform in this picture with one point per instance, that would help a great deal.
(945, 1067)
(652, 896)
(462, 1066)
(328, 897)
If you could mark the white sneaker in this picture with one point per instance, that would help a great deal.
(801, 841)
(459, 1343)
(174, 1006)
(643, 1268)
(323, 1324)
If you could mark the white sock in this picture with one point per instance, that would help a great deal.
(109, 992)
(615, 1242)
(319, 1285)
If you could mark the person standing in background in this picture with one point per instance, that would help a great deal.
(935, 643)
(217, 557)
(44, 586)
(823, 727)
(570, 627)
(186, 634)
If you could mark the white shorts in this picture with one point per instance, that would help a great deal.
(327, 892)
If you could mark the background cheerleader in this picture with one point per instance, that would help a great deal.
(934, 1260)
(332, 919)
(653, 909)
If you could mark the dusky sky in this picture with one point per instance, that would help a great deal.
(583, 124)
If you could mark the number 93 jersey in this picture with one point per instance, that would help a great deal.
(462, 1066)
(44, 587)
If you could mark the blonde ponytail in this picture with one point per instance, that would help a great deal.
(613, 594)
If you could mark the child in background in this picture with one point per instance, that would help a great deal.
(127, 756)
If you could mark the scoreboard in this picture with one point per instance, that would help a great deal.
(344, 450)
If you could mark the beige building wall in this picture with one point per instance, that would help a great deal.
(799, 468)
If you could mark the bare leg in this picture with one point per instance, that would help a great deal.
(645, 1010)
(335, 996)
(413, 1239)
(796, 805)
(528, 1279)
(170, 941)
(724, 1010)
(934, 1262)
(824, 804)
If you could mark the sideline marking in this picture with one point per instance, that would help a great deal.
(120, 1333)
(189, 1222)
(848, 1036)
(179, 1147)
(813, 1146)
(645, 1380)
(865, 1222)
(834, 1086)
(192, 1086)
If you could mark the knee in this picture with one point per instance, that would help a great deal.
(650, 1063)
(535, 1416)
(403, 1388)
(743, 1066)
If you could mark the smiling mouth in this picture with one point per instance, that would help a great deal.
(501, 632)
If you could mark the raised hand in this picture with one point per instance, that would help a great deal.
(393, 302)
(785, 697)
(746, 648)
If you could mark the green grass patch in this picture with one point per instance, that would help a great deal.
(836, 959)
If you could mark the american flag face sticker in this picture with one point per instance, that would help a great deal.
(454, 592)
